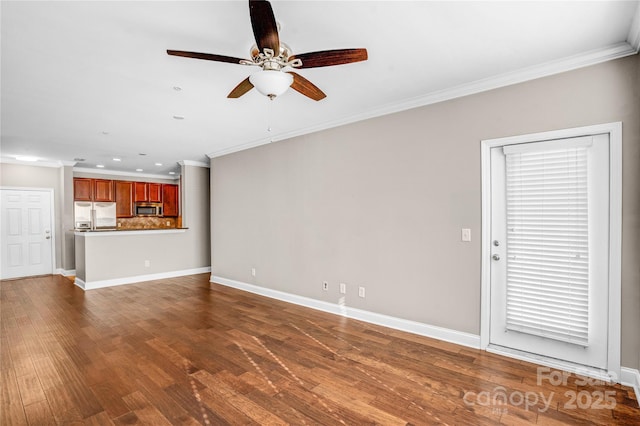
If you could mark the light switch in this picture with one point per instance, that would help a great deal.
(466, 234)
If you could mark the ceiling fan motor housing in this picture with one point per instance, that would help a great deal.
(269, 61)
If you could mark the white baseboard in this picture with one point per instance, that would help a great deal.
(77, 281)
(631, 377)
(440, 333)
(65, 272)
(91, 285)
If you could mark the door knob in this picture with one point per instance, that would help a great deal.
(495, 257)
(48, 237)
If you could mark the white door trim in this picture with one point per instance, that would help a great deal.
(615, 229)
(53, 217)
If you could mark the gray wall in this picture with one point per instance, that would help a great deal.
(196, 214)
(111, 256)
(380, 203)
(67, 225)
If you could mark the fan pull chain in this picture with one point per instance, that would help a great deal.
(269, 114)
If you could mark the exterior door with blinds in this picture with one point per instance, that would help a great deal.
(550, 248)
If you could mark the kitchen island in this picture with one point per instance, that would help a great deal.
(109, 258)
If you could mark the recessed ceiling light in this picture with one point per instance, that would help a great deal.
(172, 173)
(117, 159)
(178, 117)
(100, 166)
(139, 170)
(158, 164)
(26, 158)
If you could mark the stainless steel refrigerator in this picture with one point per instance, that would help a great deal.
(94, 215)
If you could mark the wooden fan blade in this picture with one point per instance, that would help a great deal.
(205, 56)
(326, 58)
(307, 88)
(265, 29)
(242, 88)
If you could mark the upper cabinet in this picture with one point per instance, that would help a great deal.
(126, 194)
(148, 192)
(82, 189)
(170, 204)
(155, 192)
(103, 190)
(85, 189)
(140, 191)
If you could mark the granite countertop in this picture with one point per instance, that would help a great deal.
(127, 230)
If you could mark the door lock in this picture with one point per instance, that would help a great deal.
(495, 257)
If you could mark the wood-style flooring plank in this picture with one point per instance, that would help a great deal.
(39, 414)
(62, 407)
(184, 351)
(30, 389)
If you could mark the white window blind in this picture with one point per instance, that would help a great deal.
(547, 240)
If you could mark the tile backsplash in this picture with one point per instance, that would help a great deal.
(142, 222)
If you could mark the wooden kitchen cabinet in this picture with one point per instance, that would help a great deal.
(124, 198)
(103, 190)
(82, 189)
(140, 191)
(148, 192)
(86, 189)
(126, 194)
(170, 200)
(155, 192)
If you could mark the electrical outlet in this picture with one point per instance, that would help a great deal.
(343, 288)
(147, 263)
(361, 291)
(168, 223)
(325, 285)
(466, 234)
(253, 272)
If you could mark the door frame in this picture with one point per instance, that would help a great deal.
(615, 245)
(53, 217)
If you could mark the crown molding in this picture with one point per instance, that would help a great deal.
(633, 38)
(258, 142)
(193, 163)
(124, 173)
(39, 163)
(593, 57)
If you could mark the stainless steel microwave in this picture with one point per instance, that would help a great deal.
(148, 209)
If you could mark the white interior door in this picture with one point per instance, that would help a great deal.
(26, 230)
(549, 277)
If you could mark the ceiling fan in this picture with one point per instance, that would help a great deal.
(276, 58)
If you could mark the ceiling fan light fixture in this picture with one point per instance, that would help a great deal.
(271, 83)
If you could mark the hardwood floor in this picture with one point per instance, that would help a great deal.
(183, 351)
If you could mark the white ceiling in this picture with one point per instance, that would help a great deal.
(92, 80)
